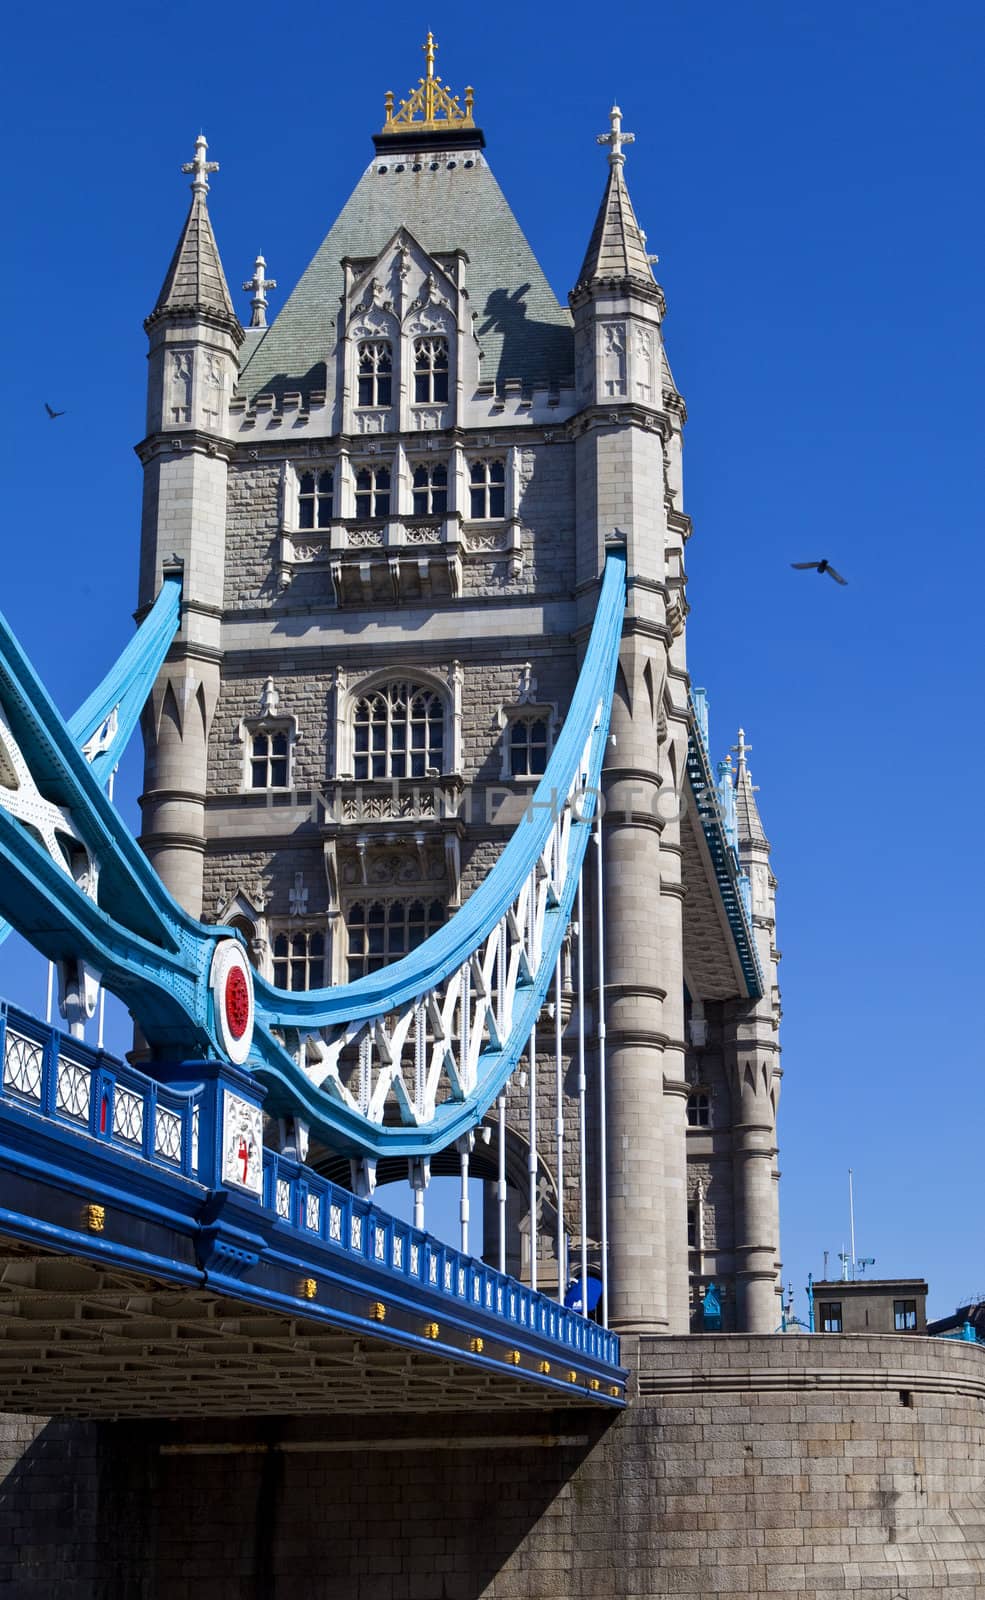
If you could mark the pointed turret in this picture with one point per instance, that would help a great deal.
(193, 363)
(195, 283)
(617, 248)
(750, 824)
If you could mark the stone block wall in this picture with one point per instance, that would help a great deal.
(785, 1466)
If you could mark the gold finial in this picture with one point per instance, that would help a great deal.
(430, 106)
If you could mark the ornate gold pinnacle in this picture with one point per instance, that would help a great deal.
(430, 106)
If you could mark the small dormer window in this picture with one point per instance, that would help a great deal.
(431, 371)
(375, 372)
(487, 489)
(316, 492)
(430, 489)
(372, 493)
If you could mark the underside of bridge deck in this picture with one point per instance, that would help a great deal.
(82, 1340)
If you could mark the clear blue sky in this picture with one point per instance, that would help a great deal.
(811, 178)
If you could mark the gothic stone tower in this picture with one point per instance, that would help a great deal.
(391, 507)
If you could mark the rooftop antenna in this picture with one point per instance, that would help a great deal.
(851, 1216)
(865, 1261)
(826, 1255)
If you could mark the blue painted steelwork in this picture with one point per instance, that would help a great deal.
(301, 1245)
(107, 718)
(111, 713)
(724, 857)
(726, 801)
(148, 951)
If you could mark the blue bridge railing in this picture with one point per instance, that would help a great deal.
(180, 1167)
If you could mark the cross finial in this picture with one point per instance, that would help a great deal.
(615, 139)
(200, 167)
(429, 47)
(742, 750)
(259, 283)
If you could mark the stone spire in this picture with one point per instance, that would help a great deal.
(750, 825)
(195, 282)
(617, 248)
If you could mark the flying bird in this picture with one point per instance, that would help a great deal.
(53, 413)
(819, 566)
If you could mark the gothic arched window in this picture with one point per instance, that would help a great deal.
(699, 1109)
(430, 489)
(315, 499)
(381, 931)
(430, 372)
(372, 493)
(398, 732)
(375, 372)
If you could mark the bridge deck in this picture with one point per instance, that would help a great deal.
(153, 1262)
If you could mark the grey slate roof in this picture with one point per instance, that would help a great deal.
(523, 332)
(617, 248)
(750, 823)
(195, 280)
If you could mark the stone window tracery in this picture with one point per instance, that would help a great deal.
(316, 499)
(381, 931)
(372, 493)
(398, 731)
(487, 490)
(375, 372)
(430, 371)
(430, 488)
(299, 959)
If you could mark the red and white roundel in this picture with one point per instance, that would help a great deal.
(231, 981)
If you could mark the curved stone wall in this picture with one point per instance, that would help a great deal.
(762, 1466)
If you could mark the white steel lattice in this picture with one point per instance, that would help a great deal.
(312, 1212)
(335, 1223)
(283, 1198)
(73, 1090)
(401, 1065)
(22, 1064)
(167, 1134)
(128, 1115)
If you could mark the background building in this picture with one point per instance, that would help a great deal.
(871, 1305)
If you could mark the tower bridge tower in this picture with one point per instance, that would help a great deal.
(392, 506)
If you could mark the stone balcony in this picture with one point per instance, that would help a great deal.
(396, 558)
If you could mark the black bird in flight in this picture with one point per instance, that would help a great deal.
(819, 566)
(53, 413)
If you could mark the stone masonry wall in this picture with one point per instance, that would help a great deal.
(765, 1467)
